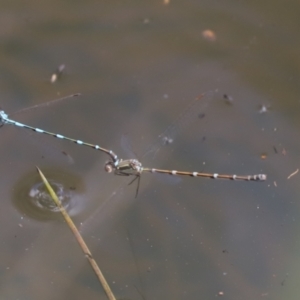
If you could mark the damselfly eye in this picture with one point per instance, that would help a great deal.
(108, 168)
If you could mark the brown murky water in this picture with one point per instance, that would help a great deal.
(138, 66)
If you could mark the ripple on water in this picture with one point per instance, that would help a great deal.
(31, 197)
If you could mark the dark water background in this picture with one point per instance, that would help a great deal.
(138, 65)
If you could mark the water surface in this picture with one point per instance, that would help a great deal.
(138, 67)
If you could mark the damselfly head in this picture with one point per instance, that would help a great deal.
(108, 167)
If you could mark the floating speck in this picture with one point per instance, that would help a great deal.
(209, 35)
